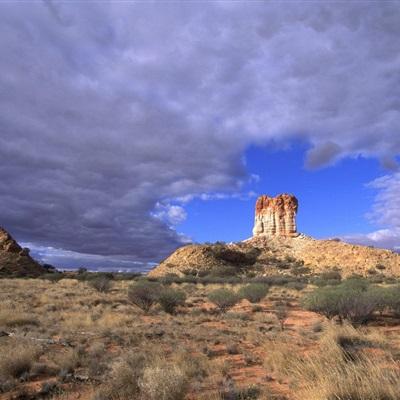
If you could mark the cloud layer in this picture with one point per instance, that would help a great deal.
(108, 109)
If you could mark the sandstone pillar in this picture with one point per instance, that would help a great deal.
(276, 216)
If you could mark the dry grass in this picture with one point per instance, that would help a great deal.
(99, 342)
(163, 381)
(11, 318)
(345, 367)
(146, 375)
(17, 359)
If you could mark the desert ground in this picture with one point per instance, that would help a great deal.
(73, 339)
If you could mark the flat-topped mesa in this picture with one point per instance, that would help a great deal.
(276, 216)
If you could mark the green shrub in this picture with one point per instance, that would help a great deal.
(224, 299)
(356, 307)
(102, 284)
(170, 298)
(353, 300)
(276, 280)
(355, 283)
(89, 276)
(390, 299)
(223, 271)
(323, 301)
(170, 278)
(377, 278)
(383, 298)
(254, 292)
(144, 294)
(327, 278)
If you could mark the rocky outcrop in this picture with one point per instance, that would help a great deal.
(200, 259)
(277, 248)
(274, 255)
(276, 216)
(14, 260)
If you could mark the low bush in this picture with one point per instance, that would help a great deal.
(388, 299)
(124, 378)
(53, 276)
(170, 298)
(327, 278)
(377, 278)
(170, 278)
(323, 301)
(143, 375)
(102, 284)
(83, 275)
(163, 381)
(300, 270)
(278, 280)
(144, 294)
(353, 300)
(224, 299)
(254, 292)
(222, 271)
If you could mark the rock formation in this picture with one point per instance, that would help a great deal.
(276, 248)
(277, 254)
(276, 216)
(14, 260)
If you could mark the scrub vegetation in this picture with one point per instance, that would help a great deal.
(105, 336)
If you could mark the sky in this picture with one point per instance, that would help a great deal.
(128, 129)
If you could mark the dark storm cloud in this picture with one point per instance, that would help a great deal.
(107, 109)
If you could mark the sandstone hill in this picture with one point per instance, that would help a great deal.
(14, 260)
(277, 248)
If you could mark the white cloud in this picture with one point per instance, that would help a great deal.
(383, 238)
(172, 214)
(386, 208)
(385, 212)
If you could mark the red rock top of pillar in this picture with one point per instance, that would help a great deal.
(281, 204)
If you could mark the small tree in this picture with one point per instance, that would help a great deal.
(224, 299)
(254, 292)
(170, 298)
(144, 294)
(102, 284)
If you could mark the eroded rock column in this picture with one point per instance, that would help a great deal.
(276, 216)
